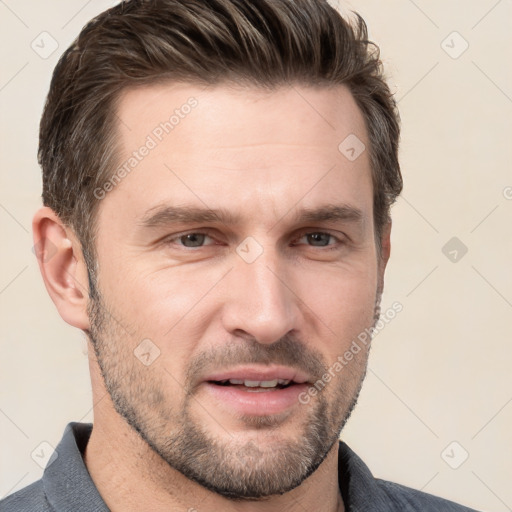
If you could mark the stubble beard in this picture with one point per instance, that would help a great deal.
(229, 466)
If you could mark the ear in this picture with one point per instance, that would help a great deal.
(62, 266)
(383, 257)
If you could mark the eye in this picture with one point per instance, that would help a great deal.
(190, 240)
(319, 239)
(316, 239)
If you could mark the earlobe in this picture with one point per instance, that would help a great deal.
(62, 267)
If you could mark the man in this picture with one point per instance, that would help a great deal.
(217, 180)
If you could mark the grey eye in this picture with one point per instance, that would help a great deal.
(193, 239)
(319, 239)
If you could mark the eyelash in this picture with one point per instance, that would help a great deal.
(170, 240)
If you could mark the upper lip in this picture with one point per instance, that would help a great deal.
(260, 373)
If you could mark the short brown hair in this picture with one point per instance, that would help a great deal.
(266, 43)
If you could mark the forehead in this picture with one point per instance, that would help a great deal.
(245, 147)
(249, 116)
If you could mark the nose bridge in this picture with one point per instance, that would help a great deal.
(259, 299)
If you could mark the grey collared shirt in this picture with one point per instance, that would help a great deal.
(67, 487)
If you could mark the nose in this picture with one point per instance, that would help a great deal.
(260, 302)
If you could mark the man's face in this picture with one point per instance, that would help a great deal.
(199, 317)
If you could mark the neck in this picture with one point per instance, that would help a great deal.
(130, 476)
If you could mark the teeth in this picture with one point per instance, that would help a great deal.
(260, 383)
(251, 383)
(268, 383)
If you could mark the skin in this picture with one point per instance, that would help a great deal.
(263, 156)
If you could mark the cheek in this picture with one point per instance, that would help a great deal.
(166, 307)
(343, 303)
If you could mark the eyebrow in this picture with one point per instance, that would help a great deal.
(165, 215)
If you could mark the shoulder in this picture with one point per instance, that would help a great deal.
(29, 499)
(408, 499)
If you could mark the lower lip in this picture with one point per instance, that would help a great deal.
(257, 403)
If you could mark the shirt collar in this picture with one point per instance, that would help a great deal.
(359, 488)
(67, 483)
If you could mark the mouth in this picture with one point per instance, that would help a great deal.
(257, 391)
(259, 376)
(255, 386)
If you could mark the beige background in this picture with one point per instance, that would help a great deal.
(440, 371)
